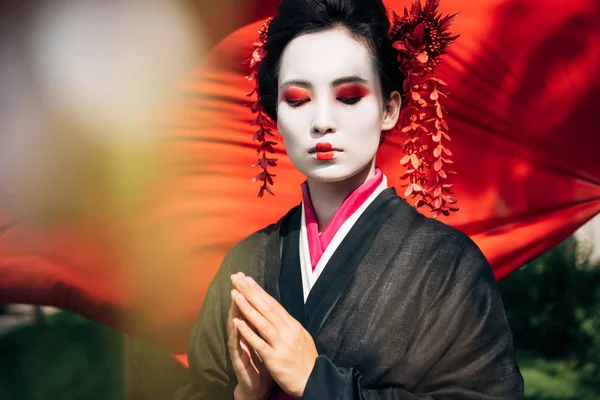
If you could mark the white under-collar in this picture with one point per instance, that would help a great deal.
(309, 277)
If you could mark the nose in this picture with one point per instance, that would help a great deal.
(323, 121)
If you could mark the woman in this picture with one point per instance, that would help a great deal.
(353, 294)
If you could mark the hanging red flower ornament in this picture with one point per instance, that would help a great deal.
(262, 121)
(421, 37)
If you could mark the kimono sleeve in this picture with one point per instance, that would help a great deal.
(462, 342)
(211, 374)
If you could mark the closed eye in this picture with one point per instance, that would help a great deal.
(297, 103)
(296, 96)
(349, 100)
(352, 93)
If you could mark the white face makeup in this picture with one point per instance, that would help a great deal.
(330, 110)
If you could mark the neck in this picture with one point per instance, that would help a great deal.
(327, 197)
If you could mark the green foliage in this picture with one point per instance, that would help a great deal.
(553, 380)
(553, 307)
(69, 358)
(587, 351)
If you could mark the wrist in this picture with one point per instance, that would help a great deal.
(307, 374)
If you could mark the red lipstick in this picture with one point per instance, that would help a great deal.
(324, 151)
(324, 146)
(325, 155)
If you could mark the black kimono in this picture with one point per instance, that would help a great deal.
(406, 308)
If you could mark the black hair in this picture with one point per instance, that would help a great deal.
(366, 20)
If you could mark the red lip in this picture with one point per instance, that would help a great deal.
(324, 146)
(325, 155)
(324, 151)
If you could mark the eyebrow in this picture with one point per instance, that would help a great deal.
(337, 82)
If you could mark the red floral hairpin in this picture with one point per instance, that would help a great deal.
(262, 121)
(421, 37)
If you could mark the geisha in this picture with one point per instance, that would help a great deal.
(353, 294)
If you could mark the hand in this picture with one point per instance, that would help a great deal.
(254, 380)
(286, 348)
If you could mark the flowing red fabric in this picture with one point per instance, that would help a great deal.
(523, 115)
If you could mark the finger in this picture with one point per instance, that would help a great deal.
(244, 346)
(238, 356)
(233, 342)
(234, 311)
(241, 358)
(257, 361)
(266, 305)
(247, 353)
(257, 364)
(256, 319)
(230, 319)
(256, 342)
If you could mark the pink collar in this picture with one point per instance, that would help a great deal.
(317, 243)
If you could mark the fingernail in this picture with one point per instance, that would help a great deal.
(240, 299)
(249, 281)
(233, 278)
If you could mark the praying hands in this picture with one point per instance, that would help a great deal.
(262, 335)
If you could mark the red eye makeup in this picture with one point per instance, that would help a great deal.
(296, 96)
(352, 93)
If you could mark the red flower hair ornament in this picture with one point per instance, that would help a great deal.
(421, 37)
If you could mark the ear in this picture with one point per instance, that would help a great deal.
(391, 111)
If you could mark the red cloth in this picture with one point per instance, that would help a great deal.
(523, 115)
(318, 242)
